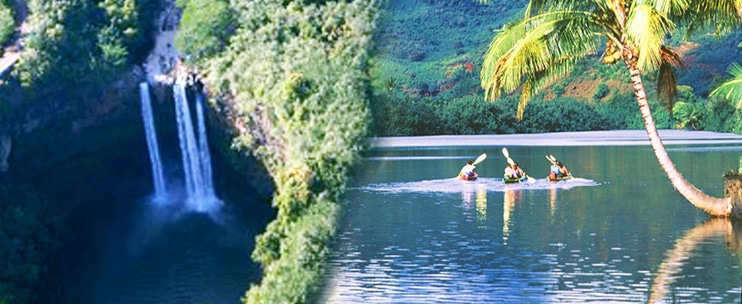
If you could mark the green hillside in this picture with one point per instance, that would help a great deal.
(428, 56)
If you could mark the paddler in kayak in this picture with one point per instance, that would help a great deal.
(512, 171)
(557, 169)
(467, 172)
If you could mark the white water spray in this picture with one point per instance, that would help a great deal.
(203, 146)
(196, 158)
(154, 151)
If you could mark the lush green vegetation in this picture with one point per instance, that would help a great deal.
(29, 236)
(294, 73)
(7, 25)
(415, 87)
(205, 27)
(295, 76)
(84, 43)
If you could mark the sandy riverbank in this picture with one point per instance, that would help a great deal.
(597, 138)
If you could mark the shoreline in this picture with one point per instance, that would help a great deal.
(581, 138)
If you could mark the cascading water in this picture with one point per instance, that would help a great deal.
(158, 177)
(203, 146)
(196, 159)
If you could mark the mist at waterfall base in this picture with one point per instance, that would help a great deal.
(170, 239)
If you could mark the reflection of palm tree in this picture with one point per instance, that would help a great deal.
(510, 198)
(683, 249)
(553, 36)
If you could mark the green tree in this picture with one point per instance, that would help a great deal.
(204, 28)
(6, 24)
(552, 37)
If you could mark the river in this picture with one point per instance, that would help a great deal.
(618, 232)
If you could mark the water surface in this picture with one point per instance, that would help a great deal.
(618, 232)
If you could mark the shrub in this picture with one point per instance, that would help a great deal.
(84, 43)
(7, 26)
(559, 115)
(601, 91)
(204, 28)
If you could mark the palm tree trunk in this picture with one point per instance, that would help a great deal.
(712, 205)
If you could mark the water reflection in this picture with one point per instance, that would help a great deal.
(478, 198)
(511, 197)
(413, 234)
(552, 202)
(687, 248)
(481, 209)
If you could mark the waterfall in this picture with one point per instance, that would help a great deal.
(154, 150)
(203, 146)
(196, 159)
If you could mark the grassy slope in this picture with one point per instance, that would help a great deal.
(419, 41)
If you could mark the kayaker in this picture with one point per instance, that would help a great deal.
(513, 171)
(468, 169)
(562, 169)
(554, 170)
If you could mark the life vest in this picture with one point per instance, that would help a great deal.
(555, 169)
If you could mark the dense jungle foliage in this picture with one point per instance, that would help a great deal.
(72, 47)
(426, 68)
(82, 43)
(7, 24)
(293, 73)
(29, 236)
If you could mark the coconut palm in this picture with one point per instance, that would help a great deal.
(731, 89)
(554, 35)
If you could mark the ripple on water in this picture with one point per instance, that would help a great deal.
(455, 185)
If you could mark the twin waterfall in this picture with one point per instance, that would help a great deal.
(158, 177)
(196, 160)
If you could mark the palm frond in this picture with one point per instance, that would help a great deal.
(667, 86)
(646, 29)
(537, 50)
(719, 16)
(667, 82)
(533, 83)
(732, 89)
(671, 7)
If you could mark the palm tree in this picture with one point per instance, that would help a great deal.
(554, 35)
(731, 89)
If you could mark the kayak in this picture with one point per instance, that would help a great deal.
(558, 178)
(469, 178)
(514, 180)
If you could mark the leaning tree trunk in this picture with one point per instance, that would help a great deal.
(712, 205)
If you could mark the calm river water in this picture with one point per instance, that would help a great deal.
(617, 233)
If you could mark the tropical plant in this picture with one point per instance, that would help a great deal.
(295, 78)
(204, 28)
(553, 36)
(731, 89)
(6, 24)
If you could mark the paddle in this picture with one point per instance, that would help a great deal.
(553, 161)
(507, 155)
(511, 162)
(480, 159)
